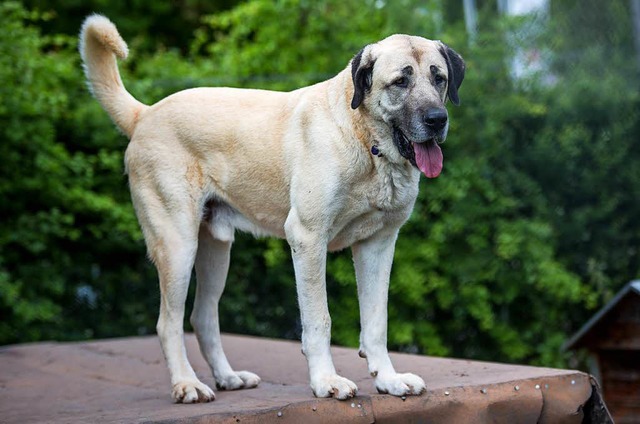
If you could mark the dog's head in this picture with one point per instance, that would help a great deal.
(402, 83)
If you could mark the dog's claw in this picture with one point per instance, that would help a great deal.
(334, 386)
(400, 384)
(238, 380)
(192, 391)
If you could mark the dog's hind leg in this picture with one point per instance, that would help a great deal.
(170, 221)
(175, 272)
(212, 264)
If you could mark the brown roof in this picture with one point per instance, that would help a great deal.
(582, 336)
(125, 380)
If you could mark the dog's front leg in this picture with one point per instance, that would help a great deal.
(309, 252)
(373, 259)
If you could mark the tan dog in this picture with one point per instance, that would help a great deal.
(328, 166)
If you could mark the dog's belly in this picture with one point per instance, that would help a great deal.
(223, 220)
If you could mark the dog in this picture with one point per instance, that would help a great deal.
(326, 167)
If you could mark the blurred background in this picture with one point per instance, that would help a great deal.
(531, 228)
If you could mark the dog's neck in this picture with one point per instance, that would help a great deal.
(374, 139)
(339, 91)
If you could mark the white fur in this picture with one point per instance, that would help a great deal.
(294, 165)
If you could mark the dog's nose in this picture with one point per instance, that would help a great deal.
(436, 118)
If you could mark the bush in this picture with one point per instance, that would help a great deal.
(530, 227)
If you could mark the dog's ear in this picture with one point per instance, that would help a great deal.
(455, 69)
(361, 73)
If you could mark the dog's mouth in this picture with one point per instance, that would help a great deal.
(425, 155)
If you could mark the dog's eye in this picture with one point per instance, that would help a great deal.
(401, 82)
(440, 80)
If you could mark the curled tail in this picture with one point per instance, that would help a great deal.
(100, 43)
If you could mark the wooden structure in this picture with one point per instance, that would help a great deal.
(126, 381)
(612, 337)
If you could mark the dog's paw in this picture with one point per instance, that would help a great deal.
(334, 385)
(237, 380)
(400, 384)
(192, 391)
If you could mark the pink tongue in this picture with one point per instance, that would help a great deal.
(428, 158)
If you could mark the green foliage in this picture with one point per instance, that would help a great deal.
(147, 25)
(66, 232)
(531, 226)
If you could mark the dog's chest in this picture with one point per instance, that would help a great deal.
(393, 188)
(388, 188)
(384, 199)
